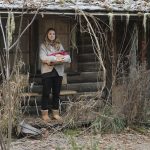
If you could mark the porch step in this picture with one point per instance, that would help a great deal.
(86, 39)
(85, 87)
(79, 87)
(31, 102)
(90, 57)
(83, 49)
(84, 77)
(80, 77)
(31, 108)
(88, 67)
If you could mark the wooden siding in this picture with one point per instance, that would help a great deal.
(62, 26)
(24, 42)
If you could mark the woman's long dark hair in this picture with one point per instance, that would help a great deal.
(56, 43)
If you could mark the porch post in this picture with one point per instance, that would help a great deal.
(114, 60)
(133, 53)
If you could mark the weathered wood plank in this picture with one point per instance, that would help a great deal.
(87, 57)
(79, 87)
(84, 77)
(85, 48)
(89, 67)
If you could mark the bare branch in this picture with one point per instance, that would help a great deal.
(14, 44)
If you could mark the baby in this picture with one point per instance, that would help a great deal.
(59, 57)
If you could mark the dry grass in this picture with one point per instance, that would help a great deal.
(16, 87)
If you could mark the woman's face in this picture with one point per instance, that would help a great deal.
(51, 35)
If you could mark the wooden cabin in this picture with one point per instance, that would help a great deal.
(117, 26)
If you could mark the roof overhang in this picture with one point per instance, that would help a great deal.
(72, 9)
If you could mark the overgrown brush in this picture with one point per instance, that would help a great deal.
(136, 97)
(99, 116)
(130, 104)
(13, 94)
(108, 124)
(134, 106)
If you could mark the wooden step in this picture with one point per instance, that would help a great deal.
(87, 57)
(26, 104)
(84, 35)
(85, 77)
(32, 109)
(85, 87)
(86, 40)
(32, 102)
(79, 87)
(85, 49)
(88, 67)
(80, 77)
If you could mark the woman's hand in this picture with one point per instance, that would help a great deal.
(59, 58)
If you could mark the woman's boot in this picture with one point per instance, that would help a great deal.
(55, 115)
(45, 116)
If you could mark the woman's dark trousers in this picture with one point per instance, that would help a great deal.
(51, 85)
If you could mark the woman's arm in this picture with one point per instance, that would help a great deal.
(43, 56)
(67, 59)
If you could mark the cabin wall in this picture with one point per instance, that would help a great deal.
(33, 37)
(146, 45)
(60, 24)
(133, 51)
(24, 40)
(23, 51)
(85, 62)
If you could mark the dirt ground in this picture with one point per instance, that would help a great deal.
(128, 140)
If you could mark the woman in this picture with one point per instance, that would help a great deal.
(52, 69)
